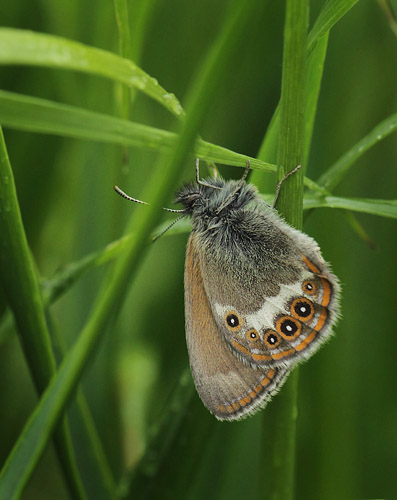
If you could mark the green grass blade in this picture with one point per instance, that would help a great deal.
(331, 12)
(37, 431)
(39, 49)
(121, 10)
(332, 177)
(382, 208)
(20, 285)
(18, 277)
(162, 438)
(315, 68)
(40, 115)
(290, 154)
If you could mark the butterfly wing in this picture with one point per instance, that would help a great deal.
(273, 308)
(229, 388)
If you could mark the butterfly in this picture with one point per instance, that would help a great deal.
(259, 297)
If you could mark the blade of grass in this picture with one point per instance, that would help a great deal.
(39, 49)
(97, 475)
(330, 14)
(20, 285)
(39, 115)
(121, 9)
(315, 68)
(161, 438)
(37, 431)
(122, 98)
(383, 208)
(290, 154)
(333, 176)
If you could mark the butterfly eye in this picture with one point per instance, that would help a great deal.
(309, 287)
(272, 339)
(288, 327)
(233, 321)
(302, 309)
(252, 335)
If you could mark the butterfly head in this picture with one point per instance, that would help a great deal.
(215, 197)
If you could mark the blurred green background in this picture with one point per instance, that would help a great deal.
(346, 430)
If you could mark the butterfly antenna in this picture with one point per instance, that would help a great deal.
(130, 198)
(281, 183)
(168, 227)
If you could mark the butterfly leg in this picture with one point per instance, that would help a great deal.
(281, 183)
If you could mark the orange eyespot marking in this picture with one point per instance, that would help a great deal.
(258, 388)
(222, 408)
(309, 287)
(302, 309)
(272, 339)
(236, 405)
(314, 269)
(288, 327)
(321, 320)
(233, 321)
(326, 292)
(252, 335)
(253, 394)
(307, 341)
(230, 409)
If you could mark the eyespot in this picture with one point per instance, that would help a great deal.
(309, 287)
(288, 327)
(272, 339)
(252, 335)
(233, 321)
(302, 308)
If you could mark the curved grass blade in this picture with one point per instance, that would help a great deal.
(331, 12)
(383, 208)
(20, 285)
(39, 49)
(39, 115)
(331, 178)
(123, 96)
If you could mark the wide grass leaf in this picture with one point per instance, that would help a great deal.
(40, 115)
(39, 49)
